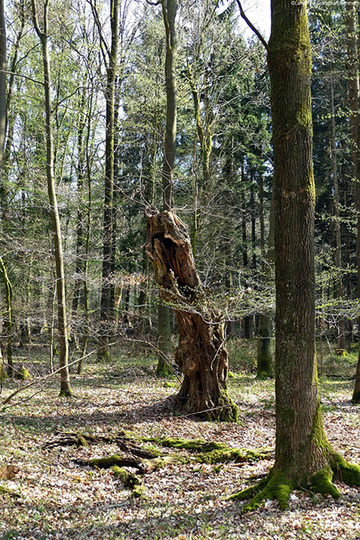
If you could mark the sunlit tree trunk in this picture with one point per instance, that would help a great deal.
(3, 193)
(65, 389)
(303, 455)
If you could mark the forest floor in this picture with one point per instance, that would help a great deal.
(60, 498)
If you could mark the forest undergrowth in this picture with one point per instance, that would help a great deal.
(60, 496)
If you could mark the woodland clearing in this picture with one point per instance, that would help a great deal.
(61, 498)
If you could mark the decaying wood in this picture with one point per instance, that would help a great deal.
(201, 354)
(71, 438)
(8, 472)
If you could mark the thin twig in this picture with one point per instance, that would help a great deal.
(253, 28)
(48, 376)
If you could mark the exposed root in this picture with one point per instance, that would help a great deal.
(349, 473)
(277, 485)
(321, 482)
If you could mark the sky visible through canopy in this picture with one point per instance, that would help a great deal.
(258, 12)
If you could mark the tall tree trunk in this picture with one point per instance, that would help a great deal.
(80, 240)
(3, 191)
(169, 14)
(303, 455)
(245, 252)
(339, 283)
(201, 354)
(86, 292)
(107, 290)
(8, 318)
(149, 193)
(353, 63)
(65, 389)
(253, 226)
(264, 357)
(164, 313)
(3, 104)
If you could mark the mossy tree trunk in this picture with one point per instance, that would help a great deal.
(201, 353)
(303, 456)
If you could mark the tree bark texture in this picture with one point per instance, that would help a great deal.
(201, 354)
(303, 455)
(297, 400)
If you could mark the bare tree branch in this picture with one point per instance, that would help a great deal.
(249, 23)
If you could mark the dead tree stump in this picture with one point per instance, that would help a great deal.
(201, 354)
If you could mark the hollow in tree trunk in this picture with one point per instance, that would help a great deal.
(201, 354)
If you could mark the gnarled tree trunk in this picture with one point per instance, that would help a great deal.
(201, 353)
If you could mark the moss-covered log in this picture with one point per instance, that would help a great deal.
(213, 452)
(127, 446)
(201, 354)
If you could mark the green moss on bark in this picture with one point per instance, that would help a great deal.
(275, 486)
(24, 374)
(130, 480)
(278, 485)
(225, 410)
(321, 482)
(106, 462)
(212, 452)
(318, 435)
(66, 393)
(349, 473)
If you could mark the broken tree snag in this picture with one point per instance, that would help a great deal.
(201, 353)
